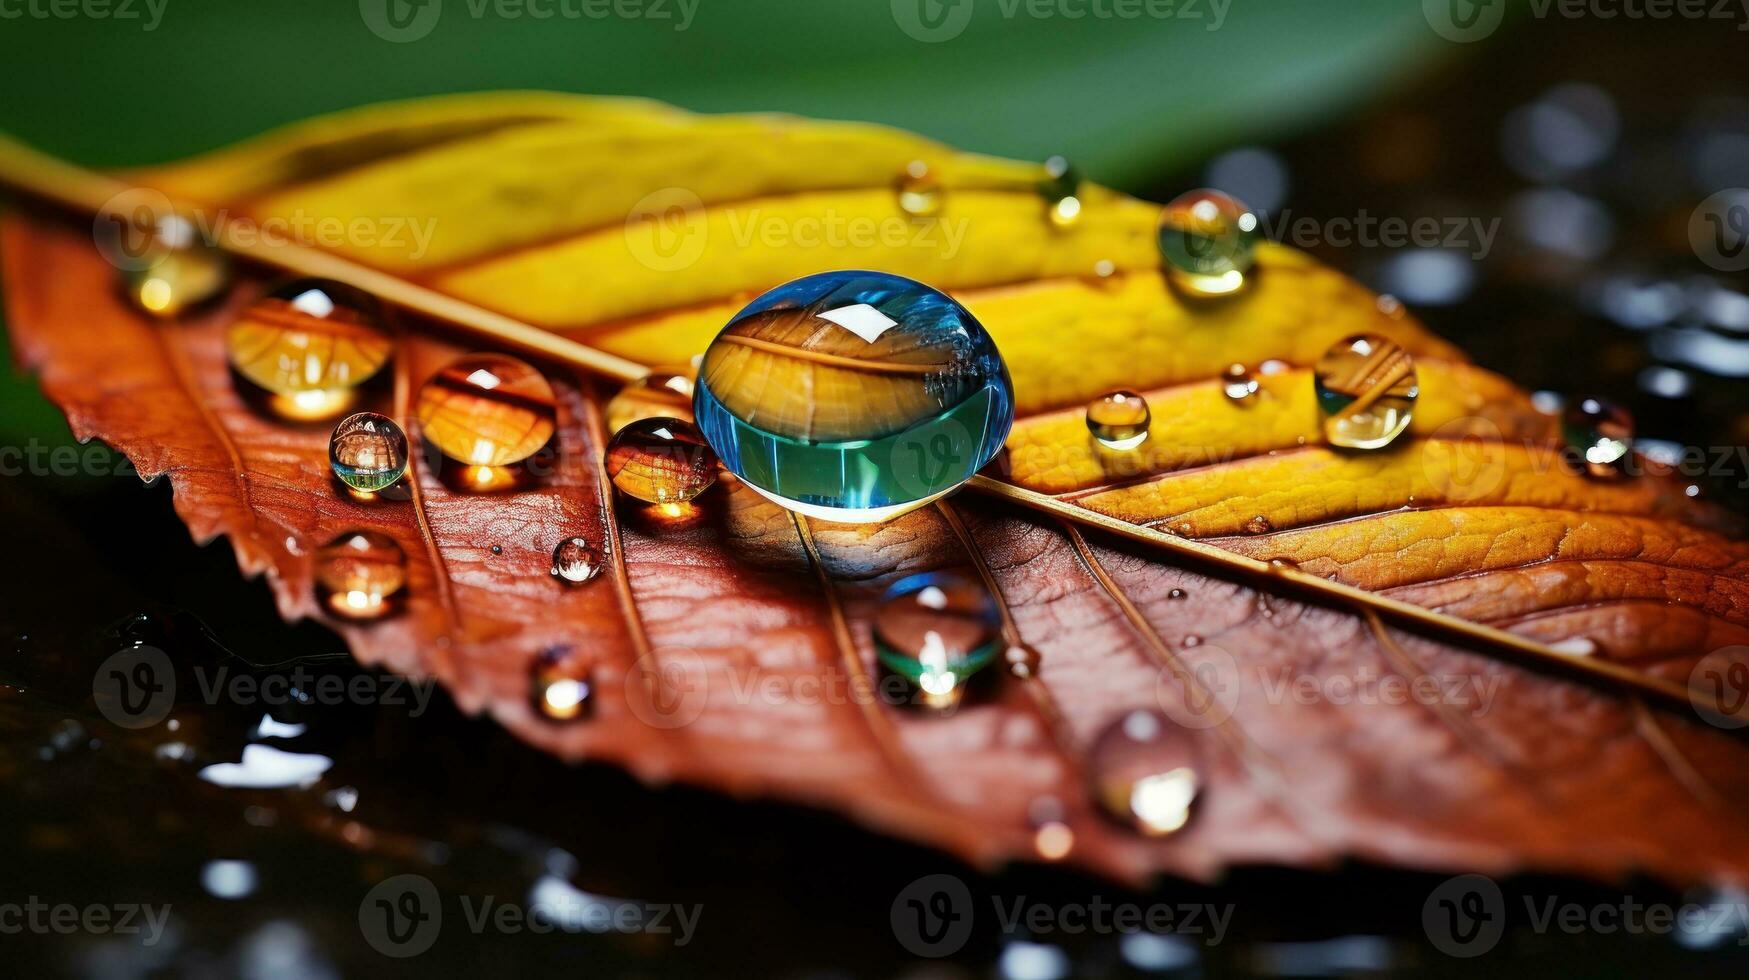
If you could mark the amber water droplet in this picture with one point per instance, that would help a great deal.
(576, 561)
(1208, 240)
(1023, 660)
(1119, 420)
(359, 573)
(487, 410)
(660, 461)
(1280, 565)
(937, 629)
(368, 452)
(309, 338)
(1052, 837)
(1600, 437)
(1146, 773)
(178, 272)
(1238, 383)
(561, 690)
(920, 192)
(1061, 189)
(663, 393)
(1259, 525)
(1366, 389)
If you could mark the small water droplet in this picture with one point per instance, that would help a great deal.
(561, 688)
(1105, 269)
(1023, 660)
(1390, 306)
(1176, 594)
(937, 629)
(1259, 525)
(497, 549)
(179, 271)
(1192, 641)
(1238, 383)
(1366, 388)
(1052, 837)
(368, 452)
(920, 193)
(1575, 646)
(1274, 366)
(1600, 436)
(660, 461)
(1209, 241)
(359, 573)
(576, 561)
(1146, 773)
(1119, 420)
(1061, 189)
(487, 410)
(663, 393)
(1279, 565)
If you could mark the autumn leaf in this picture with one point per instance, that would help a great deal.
(638, 230)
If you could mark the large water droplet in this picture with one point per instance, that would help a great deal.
(359, 573)
(1366, 388)
(660, 461)
(1119, 420)
(854, 396)
(487, 410)
(310, 340)
(1209, 241)
(1146, 773)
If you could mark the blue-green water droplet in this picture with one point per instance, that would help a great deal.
(854, 396)
(368, 452)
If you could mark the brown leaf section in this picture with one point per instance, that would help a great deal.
(731, 647)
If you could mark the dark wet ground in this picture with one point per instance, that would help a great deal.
(272, 881)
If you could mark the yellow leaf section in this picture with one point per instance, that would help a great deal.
(330, 144)
(1313, 485)
(1067, 340)
(1197, 425)
(1410, 547)
(984, 238)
